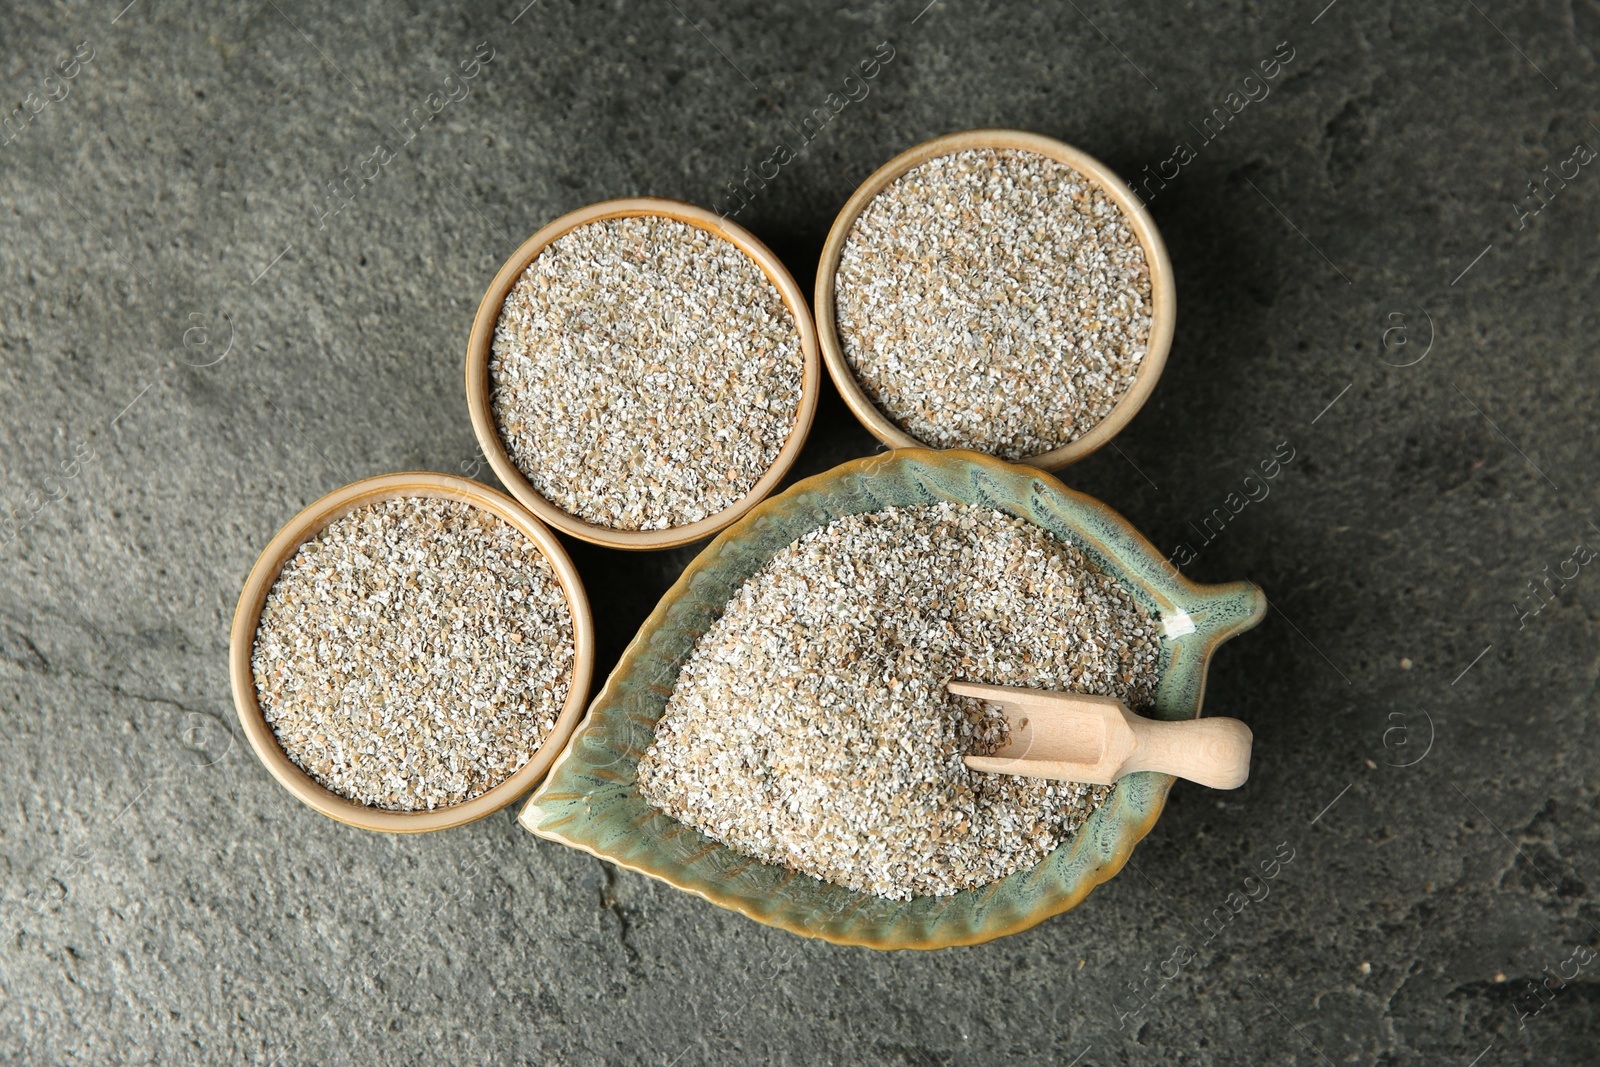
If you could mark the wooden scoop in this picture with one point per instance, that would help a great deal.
(1074, 737)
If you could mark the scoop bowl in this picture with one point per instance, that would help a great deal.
(591, 800)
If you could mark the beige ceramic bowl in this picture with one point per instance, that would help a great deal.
(482, 340)
(307, 525)
(1162, 293)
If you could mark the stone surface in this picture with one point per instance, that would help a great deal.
(184, 313)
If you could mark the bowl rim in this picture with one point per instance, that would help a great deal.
(552, 825)
(481, 341)
(307, 524)
(1163, 289)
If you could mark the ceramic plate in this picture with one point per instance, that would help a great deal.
(590, 799)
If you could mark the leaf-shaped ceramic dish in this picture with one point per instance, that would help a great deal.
(591, 800)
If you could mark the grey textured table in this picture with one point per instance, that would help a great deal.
(219, 300)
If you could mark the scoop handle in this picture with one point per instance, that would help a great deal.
(1213, 752)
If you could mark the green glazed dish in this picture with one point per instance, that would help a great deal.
(590, 799)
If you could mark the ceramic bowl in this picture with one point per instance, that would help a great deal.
(590, 799)
(480, 344)
(307, 525)
(1163, 294)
